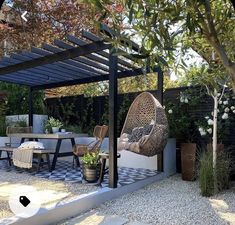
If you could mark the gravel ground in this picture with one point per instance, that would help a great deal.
(173, 201)
(58, 190)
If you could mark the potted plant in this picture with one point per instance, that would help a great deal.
(91, 166)
(53, 125)
(183, 128)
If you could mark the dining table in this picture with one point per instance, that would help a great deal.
(59, 137)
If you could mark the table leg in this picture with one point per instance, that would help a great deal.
(102, 171)
(73, 142)
(57, 150)
(48, 162)
(9, 158)
(39, 162)
(22, 140)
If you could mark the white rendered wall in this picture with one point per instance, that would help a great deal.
(128, 159)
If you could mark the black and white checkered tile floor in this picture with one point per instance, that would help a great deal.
(65, 172)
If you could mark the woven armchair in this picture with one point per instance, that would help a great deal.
(144, 112)
(80, 149)
(16, 130)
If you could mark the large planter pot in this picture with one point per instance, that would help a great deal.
(90, 174)
(55, 129)
(188, 159)
(38, 121)
(220, 147)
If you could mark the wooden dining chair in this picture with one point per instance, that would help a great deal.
(80, 149)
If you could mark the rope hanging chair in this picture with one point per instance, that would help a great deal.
(145, 130)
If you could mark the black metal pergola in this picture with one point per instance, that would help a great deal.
(78, 61)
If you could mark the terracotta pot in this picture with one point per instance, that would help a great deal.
(188, 158)
(220, 147)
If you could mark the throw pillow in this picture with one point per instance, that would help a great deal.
(136, 134)
(31, 145)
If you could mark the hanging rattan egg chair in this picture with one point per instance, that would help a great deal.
(145, 130)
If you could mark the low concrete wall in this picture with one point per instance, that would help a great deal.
(128, 159)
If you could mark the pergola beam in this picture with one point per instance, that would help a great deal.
(90, 60)
(71, 62)
(42, 73)
(103, 59)
(60, 56)
(124, 74)
(93, 37)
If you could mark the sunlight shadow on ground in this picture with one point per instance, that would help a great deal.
(223, 210)
(47, 196)
(96, 218)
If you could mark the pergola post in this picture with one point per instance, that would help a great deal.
(160, 99)
(30, 107)
(113, 121)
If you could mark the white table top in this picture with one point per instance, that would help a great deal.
(47, 136)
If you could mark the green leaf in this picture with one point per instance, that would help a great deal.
(162, 60)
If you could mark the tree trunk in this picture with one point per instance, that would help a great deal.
(231, 70)
(227, 63)
(214, 141)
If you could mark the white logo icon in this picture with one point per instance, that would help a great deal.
(24, 201)
(23, 16)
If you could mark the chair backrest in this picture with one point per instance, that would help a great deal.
(99, 133)
(14, 130)
(144, 110)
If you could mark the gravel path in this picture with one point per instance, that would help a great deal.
(58, 190)
(173, 201)
(169, 202)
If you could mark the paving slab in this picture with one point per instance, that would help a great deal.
(96, 218)
(137, 223)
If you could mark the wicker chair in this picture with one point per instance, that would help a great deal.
(145, 111)
(14, 130)
(79, 149)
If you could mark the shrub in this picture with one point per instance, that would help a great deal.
(206, 181)
(224, 164)
(206, 173)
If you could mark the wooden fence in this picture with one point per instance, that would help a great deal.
(86, 112)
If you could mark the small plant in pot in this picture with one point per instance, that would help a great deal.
(91, 166)
(53, 125)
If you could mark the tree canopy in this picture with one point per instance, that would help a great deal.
(163, 27)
